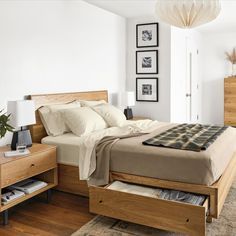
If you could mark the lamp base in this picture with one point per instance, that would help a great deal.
(128, 113)
(21, 137)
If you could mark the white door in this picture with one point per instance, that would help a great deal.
(192, 83)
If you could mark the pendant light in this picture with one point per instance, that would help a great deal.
(187, 13)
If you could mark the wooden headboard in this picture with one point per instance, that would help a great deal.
(38, 131)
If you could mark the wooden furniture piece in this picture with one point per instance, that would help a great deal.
(139, 118)
(68, 175)
(230, 101)
(40, 164)
(136, 208)
(163, 214)
(68, 180)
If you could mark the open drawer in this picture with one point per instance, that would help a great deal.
(158, 213)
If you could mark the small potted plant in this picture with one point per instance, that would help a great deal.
(4, 124)
(231, 57)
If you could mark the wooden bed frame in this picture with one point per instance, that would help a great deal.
(69, 175)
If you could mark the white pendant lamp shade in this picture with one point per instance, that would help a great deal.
(187, 13)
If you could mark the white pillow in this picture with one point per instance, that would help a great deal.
(85, 103)
(52, 119)
(112, 115)
(83, 120)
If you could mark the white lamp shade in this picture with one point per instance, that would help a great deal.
(127, 99)
(22, 113)
(187, 13)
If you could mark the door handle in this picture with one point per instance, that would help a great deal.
(188, 94)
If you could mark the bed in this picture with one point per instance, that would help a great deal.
(167, 215)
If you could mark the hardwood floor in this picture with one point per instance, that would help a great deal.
(65, 214)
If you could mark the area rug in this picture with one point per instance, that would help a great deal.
(104, 226)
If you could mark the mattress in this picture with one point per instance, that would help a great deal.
(205, 167)
(131, 157)
(67, 148)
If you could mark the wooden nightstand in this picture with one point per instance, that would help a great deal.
(40, 164)
(139, 118)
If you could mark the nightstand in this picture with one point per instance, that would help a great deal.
(139, 118)
(40, 164)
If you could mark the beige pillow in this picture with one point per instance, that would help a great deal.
(112, 115)
(83, 120)
(85, 103)
(52, 119)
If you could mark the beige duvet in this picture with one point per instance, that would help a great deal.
(130, 156)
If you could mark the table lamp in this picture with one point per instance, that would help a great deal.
(128, 100)
(22, 114)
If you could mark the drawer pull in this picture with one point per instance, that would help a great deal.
(187, 220)
(100, 201)
(32, 165)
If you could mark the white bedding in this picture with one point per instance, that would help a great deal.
(74, 150)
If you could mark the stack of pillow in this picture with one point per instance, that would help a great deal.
(80, 117)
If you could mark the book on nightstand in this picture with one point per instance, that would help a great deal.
(28, 186)
(11, 195)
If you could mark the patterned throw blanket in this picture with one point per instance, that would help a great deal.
(193, 137)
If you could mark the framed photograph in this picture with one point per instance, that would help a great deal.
(147, 35)
(147, 89)
(147, 62)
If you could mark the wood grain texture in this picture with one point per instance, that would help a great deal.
(69, 180)
(216, 192)
(193, 188)
(65, 214)
(230, 101)
(158, 213)
(41, 163)
(224, 184)
(38, 131)
(71, 177)
(22, 168)
(26, 197)
(139, 118)
(68, 175)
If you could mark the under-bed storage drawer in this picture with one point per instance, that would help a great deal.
(163, 214)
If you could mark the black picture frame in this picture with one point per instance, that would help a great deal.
(155, 42)
(152, 89)
(142, 70)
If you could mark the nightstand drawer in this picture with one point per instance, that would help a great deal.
(27, 167)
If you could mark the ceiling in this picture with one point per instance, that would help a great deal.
(127, 8)
(226, 21)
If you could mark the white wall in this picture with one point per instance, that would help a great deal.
(155, 110)
(59, 46)
(216, 68)
(182, 42)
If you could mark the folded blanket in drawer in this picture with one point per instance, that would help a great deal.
(167, 194)
(193, 137)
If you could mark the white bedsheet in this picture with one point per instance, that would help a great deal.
(74, 150)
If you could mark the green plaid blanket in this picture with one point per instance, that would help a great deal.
(193, 137)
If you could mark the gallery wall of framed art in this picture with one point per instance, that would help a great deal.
(147, 89)
(147, 62)
(147, 37)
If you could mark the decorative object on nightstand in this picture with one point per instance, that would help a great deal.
(40, 164)
(22, 114)
(4, 124)
(128, 100)
(231, 57)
